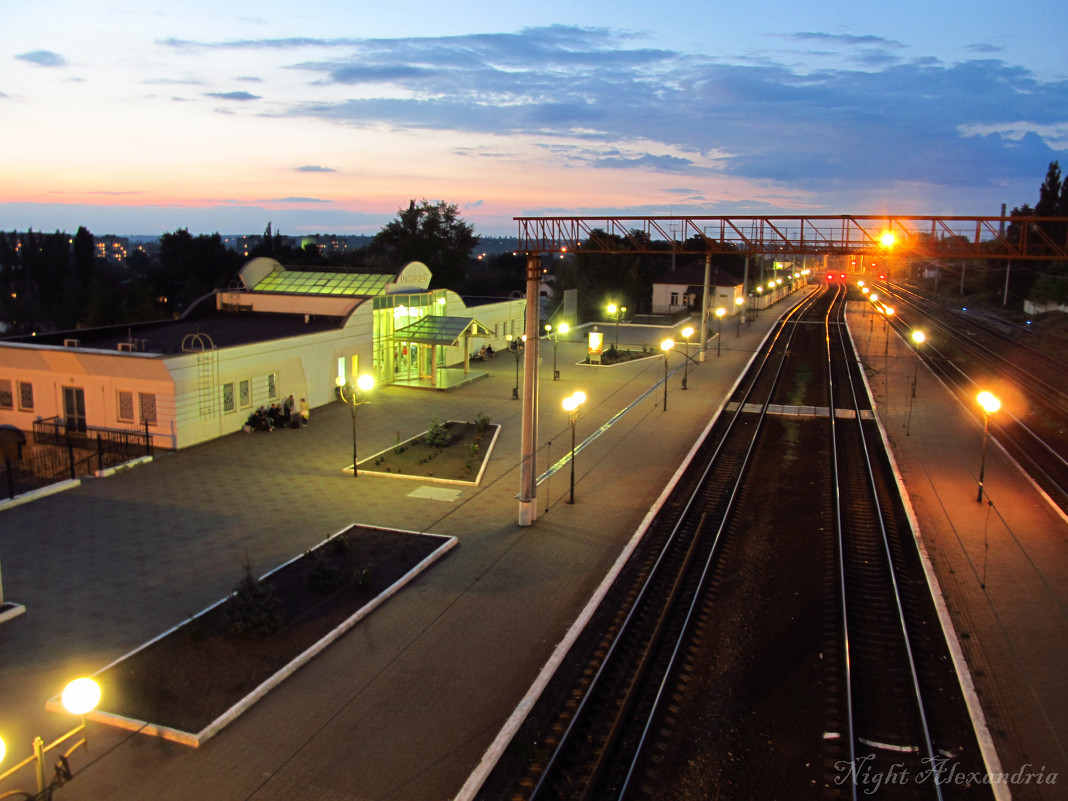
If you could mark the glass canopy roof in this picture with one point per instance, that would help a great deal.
(324, 283)
(440, 330)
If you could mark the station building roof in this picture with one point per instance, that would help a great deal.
(274, 303)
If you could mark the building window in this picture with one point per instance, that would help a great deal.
(272, 386)
(7, 399)
(228, 398)
(148, 408)
(25, 396)
(126, 407)
(244, 391)
(674, 298)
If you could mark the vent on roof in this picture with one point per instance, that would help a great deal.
(72, 343)
(126, 346)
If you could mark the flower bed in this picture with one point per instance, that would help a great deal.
(461, 459)
(189, 682)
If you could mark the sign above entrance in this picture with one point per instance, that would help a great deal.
(415, 277)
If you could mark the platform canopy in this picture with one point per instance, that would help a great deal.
(441, 330)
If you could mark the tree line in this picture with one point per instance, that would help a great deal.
(1045, 282)
(57, 282)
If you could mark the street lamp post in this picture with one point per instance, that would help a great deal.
(571, 406)
(989, 404)
(686, 333)
(666, 346)
(616, 313)
(918, 337)
(887, 314)
(515, 345)
(563, 328)
(738, 302)
(354, 397)
(80, 697)
(719, 335)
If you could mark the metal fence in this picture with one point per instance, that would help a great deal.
(60, 452)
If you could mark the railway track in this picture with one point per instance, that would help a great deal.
(763, 642)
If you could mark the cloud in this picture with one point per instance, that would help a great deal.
(984, 49)
(43, 58)
(646, 162)
(880, 119)
(846, 40)
(313, 168)
(239, 96)
(298, 200)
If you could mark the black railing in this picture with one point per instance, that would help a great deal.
(62, 452)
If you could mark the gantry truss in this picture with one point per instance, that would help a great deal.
(1025, 238)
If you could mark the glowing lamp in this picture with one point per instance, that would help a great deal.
(81, 696)
(989, 403)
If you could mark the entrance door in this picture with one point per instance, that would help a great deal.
(74, 409)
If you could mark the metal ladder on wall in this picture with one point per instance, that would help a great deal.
(207, 373)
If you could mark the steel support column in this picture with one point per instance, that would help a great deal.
(705, 301)
(528, 474)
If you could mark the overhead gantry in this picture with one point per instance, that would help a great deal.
(910, 236)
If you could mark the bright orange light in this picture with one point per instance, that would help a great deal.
(888, 239)
(989, 403)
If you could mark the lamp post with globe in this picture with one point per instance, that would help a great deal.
(80, 697)
(571, 406)
(989, 404)
(354, 396)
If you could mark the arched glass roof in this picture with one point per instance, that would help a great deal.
(323, 283)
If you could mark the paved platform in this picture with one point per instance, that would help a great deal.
(1002, 564)
(404, 706)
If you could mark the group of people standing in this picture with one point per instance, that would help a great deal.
(279, 416)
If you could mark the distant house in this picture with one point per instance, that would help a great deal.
(683, 289)
(279, 332)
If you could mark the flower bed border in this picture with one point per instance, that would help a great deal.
(197, 739)
(650, 355)
(412, 477)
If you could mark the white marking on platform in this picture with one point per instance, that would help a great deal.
(904, 749)
(436, 494)
(803, 411)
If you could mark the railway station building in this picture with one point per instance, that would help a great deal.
(276, 332)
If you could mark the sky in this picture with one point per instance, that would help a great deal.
(143, 116)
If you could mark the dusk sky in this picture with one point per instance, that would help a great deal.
(145, 117)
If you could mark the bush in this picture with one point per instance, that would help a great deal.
(323, 575)
(438, 435)
(361, 578)
(472, 454)
(481, 422)
(255, 608)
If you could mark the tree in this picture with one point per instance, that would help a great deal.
(191, 266)
(84, 255)
(433, 233)
(1049, 192)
